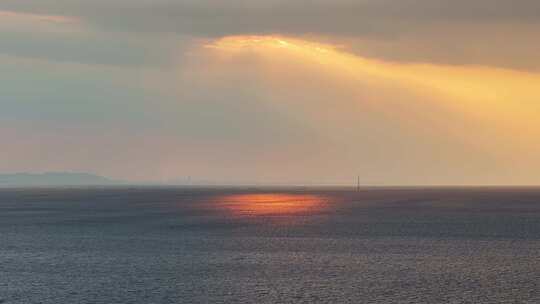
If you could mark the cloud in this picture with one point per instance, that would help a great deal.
(5, 16)
(88, 47)
(440, 31)
(209, 17)
(68, 39)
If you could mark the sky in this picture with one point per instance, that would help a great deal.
(409, 92)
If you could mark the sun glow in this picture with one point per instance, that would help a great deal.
(466, 82)
(499, 97)
(269, 43)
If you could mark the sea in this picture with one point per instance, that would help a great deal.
(269, 245)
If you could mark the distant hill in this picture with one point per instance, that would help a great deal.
(55, 179)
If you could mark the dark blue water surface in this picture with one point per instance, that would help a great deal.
(174, 245)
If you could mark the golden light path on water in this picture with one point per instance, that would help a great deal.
(272, 204)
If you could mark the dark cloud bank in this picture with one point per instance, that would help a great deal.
(485, 32)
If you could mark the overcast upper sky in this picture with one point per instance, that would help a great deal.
(273, 91)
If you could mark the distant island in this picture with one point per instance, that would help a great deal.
(55, 179)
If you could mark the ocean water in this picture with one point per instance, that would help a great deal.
(174, 245)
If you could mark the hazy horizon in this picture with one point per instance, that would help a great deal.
(84, 179)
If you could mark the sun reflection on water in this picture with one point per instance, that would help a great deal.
(273, 204)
